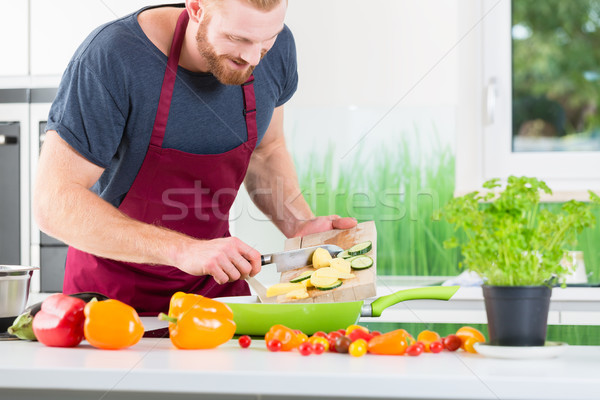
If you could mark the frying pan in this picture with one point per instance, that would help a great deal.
(255, 318)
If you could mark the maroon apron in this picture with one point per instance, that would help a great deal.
(188, 193)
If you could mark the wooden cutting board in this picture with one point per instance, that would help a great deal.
(359, 288)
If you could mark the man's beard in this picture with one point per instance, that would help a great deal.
(218, 64)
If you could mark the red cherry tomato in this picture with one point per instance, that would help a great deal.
(244, 341)
(452, 342)
(318, 348)
(342, 331)
(414, 350)
(320, 334)
(436, 347)
(274, 345)
(375, 333)
(305, 349)
(333, 335)
(421, 345)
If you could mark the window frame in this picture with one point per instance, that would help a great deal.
(569, 174)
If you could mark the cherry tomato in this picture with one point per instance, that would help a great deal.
(375, 333)
(244, 341)
(318, 348)
(426, 337)
(301, 337)
(320, 334)
(436, 347)
(274, 345)
(305, 349)
(297, 331)
(334, 335)
(359, 334)
(414, 350)
(452, 342)
(358, 348)
(342, 343)
(318, 339)
(421, 345)
(342, 331)
(353, 327)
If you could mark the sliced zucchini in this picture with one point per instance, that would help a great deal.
(334, 285)
(343, 254)
(361, 248)
(301, 277)
(361, 262)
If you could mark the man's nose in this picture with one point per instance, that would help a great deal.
(252, 54)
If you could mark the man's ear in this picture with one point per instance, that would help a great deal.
(195, 9)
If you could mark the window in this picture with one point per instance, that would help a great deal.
(541, 72)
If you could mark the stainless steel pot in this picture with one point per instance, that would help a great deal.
(14, 292)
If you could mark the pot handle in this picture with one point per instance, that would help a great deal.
(428, 293)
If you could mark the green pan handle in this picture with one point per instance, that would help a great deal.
(429, 293)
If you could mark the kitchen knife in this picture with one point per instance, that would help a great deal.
(292, 259)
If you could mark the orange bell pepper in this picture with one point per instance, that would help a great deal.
(111, 324)
(288, 338)
(391, 343)
(198, 322)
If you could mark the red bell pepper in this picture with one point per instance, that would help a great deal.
(60, 321)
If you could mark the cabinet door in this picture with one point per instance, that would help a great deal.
(10, 207)
(58, 27)
(13, 38)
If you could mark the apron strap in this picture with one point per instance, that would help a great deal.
(250, 108)
(166, 91)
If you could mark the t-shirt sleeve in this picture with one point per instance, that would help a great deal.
(291, 71)
(86, 115)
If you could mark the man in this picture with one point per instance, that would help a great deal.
(159, 118)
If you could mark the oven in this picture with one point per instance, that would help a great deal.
(23, 116)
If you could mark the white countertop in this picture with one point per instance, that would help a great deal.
(569, 306)
(154, 367)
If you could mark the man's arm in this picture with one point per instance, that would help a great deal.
(65, 208)
(273, 186)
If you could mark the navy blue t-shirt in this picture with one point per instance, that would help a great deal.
(107, 100)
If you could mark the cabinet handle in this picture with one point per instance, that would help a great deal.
(492, 93)
(8, 140)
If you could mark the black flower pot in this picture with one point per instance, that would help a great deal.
(517, 315)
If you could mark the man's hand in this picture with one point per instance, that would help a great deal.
(226, 259)
(322, 224)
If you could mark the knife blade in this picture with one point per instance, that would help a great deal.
(292, 259)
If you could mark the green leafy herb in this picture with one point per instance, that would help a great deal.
(509, 239)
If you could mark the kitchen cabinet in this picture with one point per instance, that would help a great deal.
(154, 369)
(14, 29)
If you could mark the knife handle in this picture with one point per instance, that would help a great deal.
(266, 259)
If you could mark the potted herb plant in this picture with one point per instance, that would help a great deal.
(516, 246)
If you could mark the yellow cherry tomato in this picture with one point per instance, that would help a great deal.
(302, 337)
(358, 348)
(353, 327)
(317, 339)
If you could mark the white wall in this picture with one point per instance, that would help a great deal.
(363, 65)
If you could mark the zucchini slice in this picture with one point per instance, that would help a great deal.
(302, 276)
(362, 262)
(343, 254)
(360, 249)
(335, 284)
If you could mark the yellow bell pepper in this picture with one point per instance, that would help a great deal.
(198, 322)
